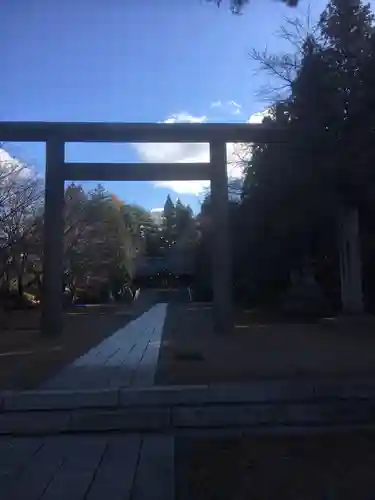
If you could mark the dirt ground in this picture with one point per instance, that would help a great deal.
(27, 359)
(315, 467)
(260, 347)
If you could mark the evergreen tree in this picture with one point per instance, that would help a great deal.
(183, 218)
(237, 6)
(291, 190)
(169, 214)
(347, 30)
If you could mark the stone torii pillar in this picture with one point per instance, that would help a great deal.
(53, 239)
(350, 261)
(220, 245)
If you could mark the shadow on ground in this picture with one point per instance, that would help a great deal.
(192, 353)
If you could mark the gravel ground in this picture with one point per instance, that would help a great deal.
(320, 467)
(259, 347)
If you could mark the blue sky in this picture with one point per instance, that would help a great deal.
(134, 61)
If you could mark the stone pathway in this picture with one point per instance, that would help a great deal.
(126, 358)
(90, 467)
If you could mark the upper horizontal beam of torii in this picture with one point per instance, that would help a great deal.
(137, 171)
(140, 132)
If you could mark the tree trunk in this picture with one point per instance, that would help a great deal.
(20, 284)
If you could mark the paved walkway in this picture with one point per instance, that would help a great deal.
(90, 467)
(126, 358)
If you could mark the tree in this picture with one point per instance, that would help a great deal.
(237, 6)
(183, 218)
(75, 237)
(139, 223)
(169, 222)
(347, 29)
(291, 191)
(20, 200)
(168, 210)
(101, 242)
(106, 250)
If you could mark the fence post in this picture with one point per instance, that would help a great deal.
(221, 254)
(53, 239)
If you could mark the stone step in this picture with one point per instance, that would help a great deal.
(173, 418)
(258, 392)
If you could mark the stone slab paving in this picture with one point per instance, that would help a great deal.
(89, 467)
(155, 471)
(126, 358)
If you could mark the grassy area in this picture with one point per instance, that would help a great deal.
(27, 359)
(260, 346)
(330, 466)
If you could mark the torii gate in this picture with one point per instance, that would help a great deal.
(55, 135)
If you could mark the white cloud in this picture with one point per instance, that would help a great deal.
(4, 156)
(173, 152)
(227, 107)
(235, 107)
(185, 187)
(7, 161)
(195, 152)
(216, 104)
(12, 165)
(185, 117)
(259, 116)
(156, 210)
(178, 153)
